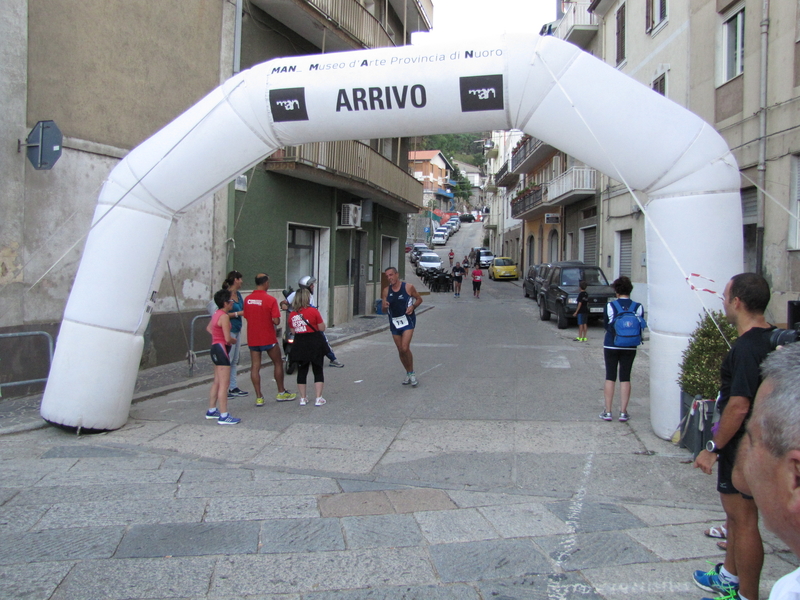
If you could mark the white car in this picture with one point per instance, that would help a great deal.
(439, 239)
(429, 260)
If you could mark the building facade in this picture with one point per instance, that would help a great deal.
(112, 74)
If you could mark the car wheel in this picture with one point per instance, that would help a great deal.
(544, 314)
(563, 323)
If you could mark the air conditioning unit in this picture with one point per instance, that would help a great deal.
(351, 215)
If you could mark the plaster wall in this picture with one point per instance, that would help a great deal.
(113, 72)
(13, 58)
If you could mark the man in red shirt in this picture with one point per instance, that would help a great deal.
(262, 314)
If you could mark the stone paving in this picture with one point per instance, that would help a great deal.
(492, 483)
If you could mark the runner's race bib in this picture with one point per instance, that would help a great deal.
(400, 322)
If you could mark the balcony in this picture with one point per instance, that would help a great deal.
(576, 183)
(444, 193)
(351, 166)
(355, 26)
(578, 26)
(505, 178)
(525, 206)
(531, 153)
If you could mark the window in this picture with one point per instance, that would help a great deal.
(794, 205)
(300, 256)
(733, 44)
(620, 35)
(660, 84)
(625, 242)
(655, 14)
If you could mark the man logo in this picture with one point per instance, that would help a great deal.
(288, 104)
(481, 92)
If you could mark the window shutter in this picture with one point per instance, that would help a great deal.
(648, 16)
(662, 10)
(589, 245)
(625, 252)
(749, 206)
(621, 34)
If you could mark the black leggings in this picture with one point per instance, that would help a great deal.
(302, 372)
(623, 358)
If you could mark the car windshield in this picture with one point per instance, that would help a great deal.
(430, 258)
(486, 252)
(592, 276)
(503, 262)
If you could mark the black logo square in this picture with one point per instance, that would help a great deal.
(481, 92)
(288, 104)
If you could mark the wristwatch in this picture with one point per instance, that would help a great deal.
(712, 447)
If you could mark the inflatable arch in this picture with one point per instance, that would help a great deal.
(546, 87)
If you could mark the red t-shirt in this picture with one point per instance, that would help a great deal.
(312, 316)
(477, 274)
(259, 310)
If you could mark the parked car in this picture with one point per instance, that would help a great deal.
(456, 224)
(529, 282)
(486, 258)
(559, 294)
(409, 246)
(439, 239)
(536, 280)
(418, 249)
(428, 260)
(466, 218)
(503, 267)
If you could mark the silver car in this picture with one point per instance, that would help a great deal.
(429, 260)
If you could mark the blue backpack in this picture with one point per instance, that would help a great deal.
(627, 325)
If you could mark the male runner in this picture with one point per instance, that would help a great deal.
(400, 300)
(262, 314)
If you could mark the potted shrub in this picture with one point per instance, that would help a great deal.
(699, 378)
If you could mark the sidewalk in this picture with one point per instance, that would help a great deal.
(22, 414)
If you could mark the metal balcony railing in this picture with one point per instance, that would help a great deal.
(574, 179)
(527, 202)
(530, 146)
(356, 20)
(356, 161)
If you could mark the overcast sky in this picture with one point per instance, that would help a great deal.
(491, 16)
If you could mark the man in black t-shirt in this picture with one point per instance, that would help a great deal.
(745, 299)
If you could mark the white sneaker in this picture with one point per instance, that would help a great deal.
(414, 381)
(320, 401)
(303, 401)
(407, 380)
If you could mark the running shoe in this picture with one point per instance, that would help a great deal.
(414, 381)
(303, 401)
(712, 581)
(320, 401)
(259, 402)
(229, 420)
(606, 416)
(285, 396)
(212, 414)
(408, 379)
(623, 416)
(337, 364)
(237, 392)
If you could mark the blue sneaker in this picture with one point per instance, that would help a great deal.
(712, 582)
(212, 414)
(229, 420)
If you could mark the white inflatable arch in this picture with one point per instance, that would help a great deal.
(546, 87)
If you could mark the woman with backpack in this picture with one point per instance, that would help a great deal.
(624, 321)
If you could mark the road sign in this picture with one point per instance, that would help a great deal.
(44, 145)
(427, 230)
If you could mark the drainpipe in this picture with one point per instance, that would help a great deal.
(762, 137)
(237, 39)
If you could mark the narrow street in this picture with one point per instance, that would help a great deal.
(492, 479)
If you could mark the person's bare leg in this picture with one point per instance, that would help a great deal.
(318, 385)
(277, 367)
(625, 395)
(301, 389)
(222, 375)
(745, 549)
(403, 343)
(255, 372)
(608, 394)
